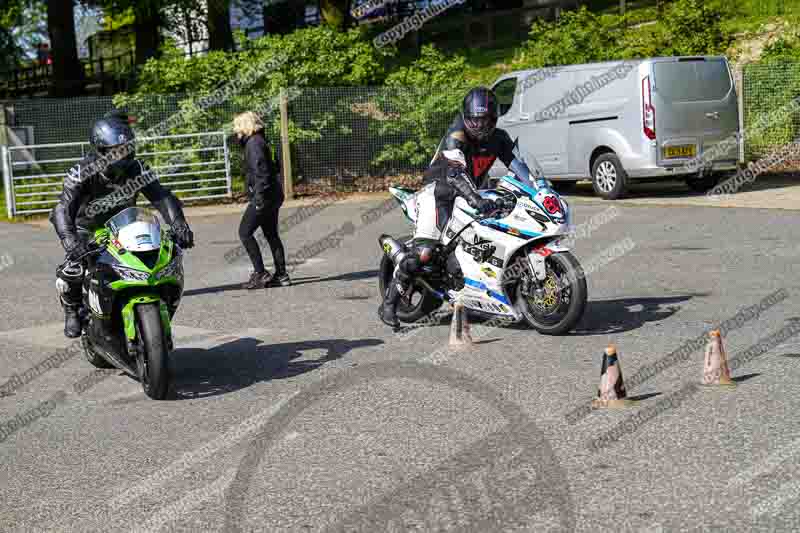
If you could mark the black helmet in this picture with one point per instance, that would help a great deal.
(110, 132)
(480, 112)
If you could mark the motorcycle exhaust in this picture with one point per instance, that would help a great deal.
(393, 248)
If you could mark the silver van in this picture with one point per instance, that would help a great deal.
(622, 121)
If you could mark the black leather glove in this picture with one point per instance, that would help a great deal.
(75, 247)
(183, 235)
(486, 206)
(258, 201)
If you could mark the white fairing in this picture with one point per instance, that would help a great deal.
(531, 231)
(483, 288)
(140, 236)
(408, 201)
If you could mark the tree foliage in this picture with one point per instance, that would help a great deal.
(688, 27)
(420, 98)
(23, 24)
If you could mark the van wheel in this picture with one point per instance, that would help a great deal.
(609, 179)
(704, 184)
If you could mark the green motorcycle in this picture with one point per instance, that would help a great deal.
(131, 291)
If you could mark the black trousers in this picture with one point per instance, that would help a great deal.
(267, 220)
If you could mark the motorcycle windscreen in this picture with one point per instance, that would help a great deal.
(518, 168)
(136, 229)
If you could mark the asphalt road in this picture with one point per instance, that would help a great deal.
(295, 409)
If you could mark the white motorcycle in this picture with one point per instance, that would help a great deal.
(509, 264)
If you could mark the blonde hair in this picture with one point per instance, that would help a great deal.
(247, 123)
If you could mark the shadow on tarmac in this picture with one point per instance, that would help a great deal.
(603, 317)
(229, 367)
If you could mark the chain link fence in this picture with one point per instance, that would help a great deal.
(770, 122)
(340, 138)
(357, 138)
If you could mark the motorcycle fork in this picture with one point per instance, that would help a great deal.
(530, 282)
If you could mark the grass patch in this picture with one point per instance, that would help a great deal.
(18, 218)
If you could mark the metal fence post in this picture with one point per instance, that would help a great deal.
(742, 125)
(286, 156)
(227, 164)
(3, 125)
(8, 181)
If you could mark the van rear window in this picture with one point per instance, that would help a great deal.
(690, 81)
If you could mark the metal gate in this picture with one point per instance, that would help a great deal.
(194, 166)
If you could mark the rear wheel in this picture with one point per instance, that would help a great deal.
(152, 358)
(559, 305)
(418, 303)
(609, 179)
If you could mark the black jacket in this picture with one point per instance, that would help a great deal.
(452, 180)
(262, 176)
(88, 198)
(479, 156)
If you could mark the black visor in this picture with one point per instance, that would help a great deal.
(480, 127)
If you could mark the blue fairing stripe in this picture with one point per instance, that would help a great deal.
(500, 297)
(479, 285)
(505, 228)
(474, 283)
(521, 185)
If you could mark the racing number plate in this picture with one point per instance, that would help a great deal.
(681, 150)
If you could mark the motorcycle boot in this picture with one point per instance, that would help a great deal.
(68, 284)
(409, 266)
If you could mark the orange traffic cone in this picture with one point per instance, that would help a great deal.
(460, 336)
(715, 365)
(612, 389)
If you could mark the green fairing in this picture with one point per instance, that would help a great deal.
(127, 312)
(165, 320)
(130, 260)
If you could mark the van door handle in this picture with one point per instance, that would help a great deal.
(713, 114)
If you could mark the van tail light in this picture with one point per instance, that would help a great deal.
(648, 111)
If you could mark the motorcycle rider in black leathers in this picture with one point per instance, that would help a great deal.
(460, 166)
(87, 201)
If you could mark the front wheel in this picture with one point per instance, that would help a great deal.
(560, 302)
(152, 358)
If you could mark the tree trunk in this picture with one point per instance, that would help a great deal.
(220, 36)
(68, 75)
(148, 31)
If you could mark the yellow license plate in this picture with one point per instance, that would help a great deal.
(683, 150)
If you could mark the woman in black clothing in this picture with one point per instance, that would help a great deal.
(265, 192)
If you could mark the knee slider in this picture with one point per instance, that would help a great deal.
(62, 287)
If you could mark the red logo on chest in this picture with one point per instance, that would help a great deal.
(482, 163)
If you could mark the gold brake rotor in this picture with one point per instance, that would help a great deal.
(550, 297)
